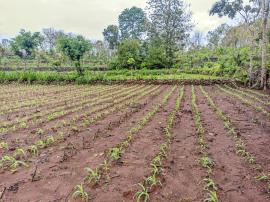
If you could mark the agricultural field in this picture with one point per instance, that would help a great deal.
(134, 143)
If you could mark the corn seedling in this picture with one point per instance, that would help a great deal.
(207, 162)
(92, 176)
(33, 149)
(4, 145)
(49, 140)
(262, 177)
(209, 184)
(41, 144)
(40, 132)
(19, 153)
(212, 197)
(143, 194)
(79, 192)
(152, 181)
(105, 166)
(115, 153)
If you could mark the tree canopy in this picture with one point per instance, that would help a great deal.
(25, 44)
(74, 47)
(132, 23)
(111, 35)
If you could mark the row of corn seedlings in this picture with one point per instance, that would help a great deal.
(113, 154)
(152, 180)
(72, 125)
(205, 161)
(255, 92)
(245, 101)
(34, 149)
(44, 117)
(248, 95)
(58, 107)
(239, 142)
(42, 101)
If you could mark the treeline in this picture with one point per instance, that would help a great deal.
(162, 36)
(45, 49)
(241, 50)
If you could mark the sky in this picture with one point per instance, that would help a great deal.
(86, 17)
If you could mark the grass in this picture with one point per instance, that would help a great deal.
(90, 76)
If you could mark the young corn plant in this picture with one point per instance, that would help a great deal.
(40, 132)
(207, 162)
(143, 194)
(19, 153)
(115, 153)
(92, 176)
(33, 149)
(80, 193)
(4, 145)
(152, 181)
(211, 197)
(209, 184)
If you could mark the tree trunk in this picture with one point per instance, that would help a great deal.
(265, 13)
(250, 70)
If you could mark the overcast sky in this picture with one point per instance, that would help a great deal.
(86, 17)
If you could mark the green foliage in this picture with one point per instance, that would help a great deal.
(111, 35)
(115, 153)
(155, 57)
(92, 175)
(79, 192)
(25, 44)
(90, 77)
(171, 24)
(132, 23)
(143, 194)
(74, 47)
(128, 50)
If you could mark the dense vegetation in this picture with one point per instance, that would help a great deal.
(159, 37)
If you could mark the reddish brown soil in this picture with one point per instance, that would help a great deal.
(231, 173)
(252, 126)
(182, 174)
(53, 174)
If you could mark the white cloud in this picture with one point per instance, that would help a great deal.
(87, 17)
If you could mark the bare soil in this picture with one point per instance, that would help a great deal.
(58, 168)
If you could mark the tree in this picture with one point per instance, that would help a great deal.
(132, 23)
(25, 44)
(155, 57)
(129, 53)
(74, 47)
(216, 36)
(50, 37)
(171, 22)
(265, 41)
(196, 41)
(249, 13)
(111, 35)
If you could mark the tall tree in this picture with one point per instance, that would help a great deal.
(265, 41)
(132, 23)
(196, 41)
(111, 35)
(216, 36)
(249, 13)
(171, 22)
(50, 37)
